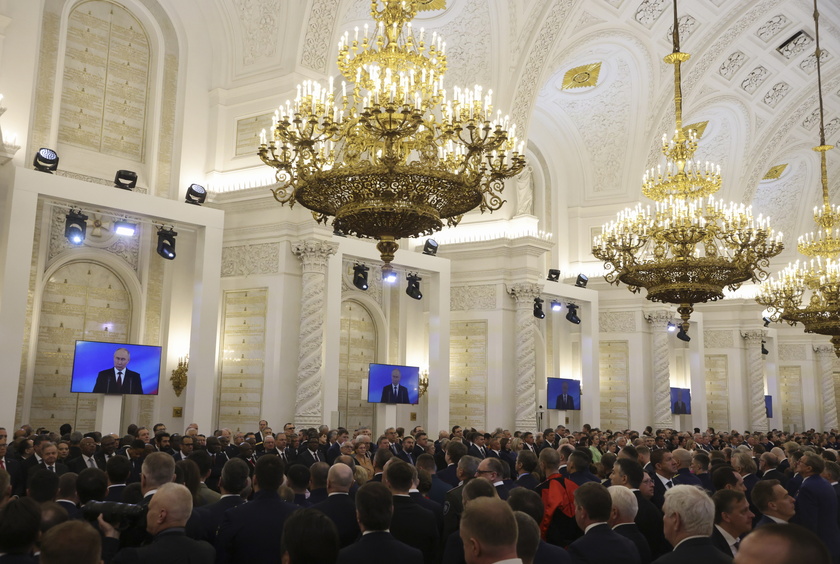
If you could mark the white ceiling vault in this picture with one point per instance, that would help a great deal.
(751, 76)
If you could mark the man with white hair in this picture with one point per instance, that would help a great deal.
(622, 520)
(688, 522)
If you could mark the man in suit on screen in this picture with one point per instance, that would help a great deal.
(119, 379)
(395, 393)
(565, 400)
(679, 405)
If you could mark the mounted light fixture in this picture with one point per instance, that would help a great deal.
(767, 321)
(166, 243)
(413, 288)
(46, 160)
(682, 335)
(196, 194)
(763, 348)
(389, 276)
(360, 277)
(430, 247)
(581, 281)
(538, 310)
(125, 179)
(556, 306)
(672, 326)
(75, 227)
(572, 316)
(125, 228)
(553, 275)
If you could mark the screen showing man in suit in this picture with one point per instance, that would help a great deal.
(393, 384)
(132, 369)
(563, 394)
(681, 401)
(768, 406)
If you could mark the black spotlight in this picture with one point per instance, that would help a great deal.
(538, 311)
(75, 227)
(430, 248)
(581, 281)
(413, 288)
(682, 334)
(166, 243)
(763, 348)
(196, 194)
(767, 321)
(46, 160)
(553, 275)
(572, 316)
(556, 306)
(360, 272)
(125, 179)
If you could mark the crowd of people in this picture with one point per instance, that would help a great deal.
(321, 495)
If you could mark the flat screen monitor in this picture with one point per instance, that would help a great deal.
(392, 383)
(563, 394)
(97, 367)
(768, 406)
(681, 401)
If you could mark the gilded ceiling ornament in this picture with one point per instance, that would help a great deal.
(579, 77)
(775, 172)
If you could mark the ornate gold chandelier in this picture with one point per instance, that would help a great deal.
(689, 246)
(397, 155)
(814, 283)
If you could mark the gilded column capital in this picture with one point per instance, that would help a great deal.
(314, 253)
(524, 292)
(753, 336)
(659, 319)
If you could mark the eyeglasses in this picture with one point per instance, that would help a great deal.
(484, 471)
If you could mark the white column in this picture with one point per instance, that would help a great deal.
(314, 255)
(526, 356)
(825, 367)
(661, 361)
(755, 380)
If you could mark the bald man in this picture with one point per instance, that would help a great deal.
(339, 506)
(169, 510)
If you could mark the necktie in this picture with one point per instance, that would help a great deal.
(669, 484)
(51, 468)
(283, 456)
(91, 463)
(119, 379)
(482, 452)
(2, 464)
(316, 457)
(736, 544)
(395, 391)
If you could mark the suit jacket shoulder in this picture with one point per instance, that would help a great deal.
(169, 547)
(695, 551)
(379, 548)
(602, 544)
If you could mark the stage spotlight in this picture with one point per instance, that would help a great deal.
(538, 310)
(682, 335)
(125, 179)
(125, 228)
(430, 247)
(671, 327)
(166, 243)
(572, 316)
(556, 306)
(553, 275)
(196, 194)
(46, 160)
(767, 321)
(763, 348)
(75, 227)
(389, 276)
(413, 288)
(360, 280)
(581, 281)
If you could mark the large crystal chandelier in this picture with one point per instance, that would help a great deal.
(808, 291)
(390, 153)
(688, 247)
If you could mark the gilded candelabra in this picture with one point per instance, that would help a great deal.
(179, 375)
(392, 154)
(689, 246)
(808, 291)
(423, 383)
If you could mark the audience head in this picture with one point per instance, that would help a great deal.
(549, 461)
(91, 484)
(20, 522)
(42, 485)
(236, 476)
(268, 473)
(488, 530)
(73, 542)
(771, 498)
(477, 488)
(527, 501)
(52, 514)
(158, 469)
(688, 511)
(725, 477)
(398, 476)
(592, 504)
(628, 473)
(624, 505)
(782, 544)
(732, 512)
(170, 507)
(374, 506)
(309, 537)
(528, 537)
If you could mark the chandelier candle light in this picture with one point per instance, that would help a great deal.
(689, 246)
(808, 292)
(392, 154)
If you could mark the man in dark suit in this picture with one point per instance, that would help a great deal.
(13, 467)
(169, 510)
(689, 519)
(87, 459)
(248, 532)
(107, 449)
(679, 406)
(118, 469)
(311, 454)
(488, 531)
(526, 464)
(49, 456)
(622, 520)
(599, 543)
(733, 519)
(395, 393)
(119, 379)
(768, 464)
(410, 523)
(374, 508)
(339, 506)
(816, 503)
(477, 448)
(578, 467)
(406, 451)
(665, 468)
(205, 521)
(492, 470)
(775, 504)
(565, 401)
(454, 452)
(629, 473)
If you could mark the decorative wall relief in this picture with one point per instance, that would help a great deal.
(244, 260)
(468, 373)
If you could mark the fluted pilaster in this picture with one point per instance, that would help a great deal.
(526, 357)
(314, 255)
(825, 365)
(661, 361)
(755, 380)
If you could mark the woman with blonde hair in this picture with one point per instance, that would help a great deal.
(360, 448)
